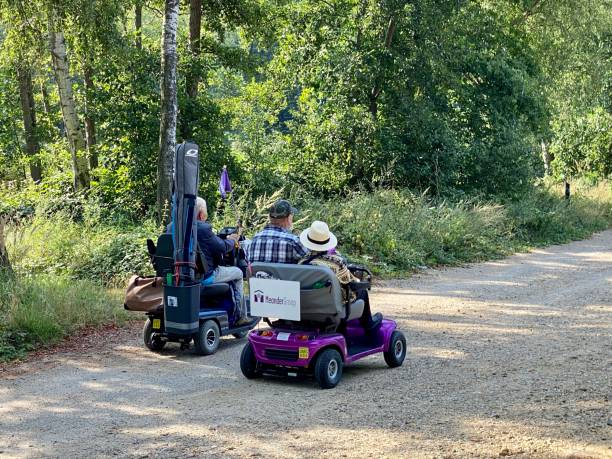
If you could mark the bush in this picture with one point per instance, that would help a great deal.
(543, 217)
(398, 231)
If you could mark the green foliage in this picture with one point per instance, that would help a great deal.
(448, 97)
(412, 127)
(583, 146)
(43, 309)
(62, 265)
(398, 231)
(428, 95)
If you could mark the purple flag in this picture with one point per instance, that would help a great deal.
(224, 183)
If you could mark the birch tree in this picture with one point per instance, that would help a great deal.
(74, 132)
(169, 109)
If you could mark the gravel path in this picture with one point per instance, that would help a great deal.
(506, 358)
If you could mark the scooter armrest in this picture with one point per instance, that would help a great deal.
(356, 286)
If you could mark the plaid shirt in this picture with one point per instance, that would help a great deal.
(275, 245)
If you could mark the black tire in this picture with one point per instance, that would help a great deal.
(248, 362)
(152, 342)
(397, 350)
(328, 368)
(207, 339)
(240, 335)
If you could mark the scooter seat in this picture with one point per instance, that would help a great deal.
(214, 290)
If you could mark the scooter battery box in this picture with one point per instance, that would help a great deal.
(182, 309)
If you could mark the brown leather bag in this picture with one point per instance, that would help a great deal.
(144, 294)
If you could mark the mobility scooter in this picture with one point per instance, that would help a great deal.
(323, 332)
(190, 310)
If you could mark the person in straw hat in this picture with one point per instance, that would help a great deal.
(320, 241)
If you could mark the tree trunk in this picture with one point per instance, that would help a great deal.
(195, 24)
(90, 124)
(26, 98)
(5, 264)
(545, 158)
(74, 132)
(167, 128)
(138, 24)
(45, 95)
(377, 89)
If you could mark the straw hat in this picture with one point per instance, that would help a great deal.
(318, 237)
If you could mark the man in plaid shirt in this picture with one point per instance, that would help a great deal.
(275, 243)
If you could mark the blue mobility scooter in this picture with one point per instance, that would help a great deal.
(190, 311)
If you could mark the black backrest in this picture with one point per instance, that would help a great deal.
(151, 248)
(163, 260)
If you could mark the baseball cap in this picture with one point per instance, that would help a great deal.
(282, 208)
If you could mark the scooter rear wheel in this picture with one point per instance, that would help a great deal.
(248, 362)
(207, 339)
(152, 342)
(328, 369)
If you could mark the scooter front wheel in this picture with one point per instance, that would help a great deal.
(397, 350)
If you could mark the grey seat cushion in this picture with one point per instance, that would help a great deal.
(356, 310)
(316, 304)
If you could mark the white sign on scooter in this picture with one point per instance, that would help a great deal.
(274, 298)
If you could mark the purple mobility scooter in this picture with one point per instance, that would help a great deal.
(330, 332)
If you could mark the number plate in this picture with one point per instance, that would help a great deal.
(303, 352)
(156, 324)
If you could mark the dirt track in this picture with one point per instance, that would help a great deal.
(507, 358)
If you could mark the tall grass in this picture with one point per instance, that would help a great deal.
(92, 250)
(398, 231)
(43, 309)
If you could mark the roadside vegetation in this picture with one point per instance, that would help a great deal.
(426, 133)
(69, 273)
